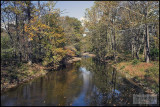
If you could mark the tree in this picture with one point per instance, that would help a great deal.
(34, 31)
(126, 26)
(73, 31)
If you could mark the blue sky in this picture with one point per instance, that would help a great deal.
(74, 8)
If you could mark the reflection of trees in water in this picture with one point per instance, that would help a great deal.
(86, 76)
(103, 78)
(53, 89)
(107, 88)
(25, 95)
(66, 85)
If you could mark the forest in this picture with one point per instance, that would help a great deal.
(35, 38)
(124, 28)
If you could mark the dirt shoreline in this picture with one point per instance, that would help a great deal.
(7, 83)
(74, 58)
(21, 77)
(147, 89)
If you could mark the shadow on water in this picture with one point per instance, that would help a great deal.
(84, 83)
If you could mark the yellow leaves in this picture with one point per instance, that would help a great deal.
(61, 40)
(45, 33)
(69, 52)
(26, 28)
(58, 35)
(34, 20)
(59, 50)
(44, 26)
(52, 32)
(31, 38)
(34, 27)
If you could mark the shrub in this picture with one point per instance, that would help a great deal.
(6, 50)
(152, 72)
(122, 67)
(78, 53)
(127, 52)
(135, 61)
(44, 63)
(154, 53)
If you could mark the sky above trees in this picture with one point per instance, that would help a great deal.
(74, 8)
(71, 8)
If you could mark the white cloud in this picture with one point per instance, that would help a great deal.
(82, 19)
(84, 35)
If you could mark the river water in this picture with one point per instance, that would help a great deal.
(84, 83)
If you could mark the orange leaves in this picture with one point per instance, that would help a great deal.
(28, 30)
(70, 53)
(26, 27)
(59, 53)
(60, 50)
(63, 52)
(35, 26)
(61, 40)
(58, 35)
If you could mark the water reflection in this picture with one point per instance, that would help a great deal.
(87, 82)
(86, 75)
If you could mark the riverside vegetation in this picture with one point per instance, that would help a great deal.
(126, 34)
(123, 33)
(34, 37)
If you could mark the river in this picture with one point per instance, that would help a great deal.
(85, 83)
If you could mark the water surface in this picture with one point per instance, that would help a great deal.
(84, 83)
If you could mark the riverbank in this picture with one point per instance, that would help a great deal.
(88, 54)
(144, 74)
(12, 76)
(75, 58)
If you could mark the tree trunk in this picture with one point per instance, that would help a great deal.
(133, 49)
(137, 52)
(147, 45)
(29, 42)
(138, 45)
(144, 49)
(144, 52)
(146, 37)
(18, 40)
(114, 45)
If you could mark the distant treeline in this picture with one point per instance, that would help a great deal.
(123, 27)
(35, 32)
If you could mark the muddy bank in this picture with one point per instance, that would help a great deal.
(73, 59)
(88, 54)
(12, 77)
(137, 74)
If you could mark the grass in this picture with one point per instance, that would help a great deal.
(11, 76)
(135, 62)
(145, 73)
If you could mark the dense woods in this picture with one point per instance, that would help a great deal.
(124, 27)
(103, 58)
(35, 32)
